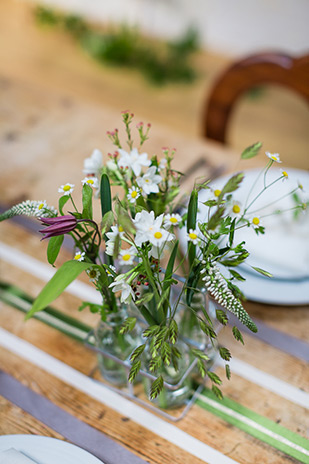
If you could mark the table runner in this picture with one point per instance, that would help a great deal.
(73, 429)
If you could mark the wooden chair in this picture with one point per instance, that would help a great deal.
(272, 68)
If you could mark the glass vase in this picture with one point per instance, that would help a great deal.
(113, 344)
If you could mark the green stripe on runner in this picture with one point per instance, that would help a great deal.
(258, 426)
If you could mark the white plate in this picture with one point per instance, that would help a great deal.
(47, 450)
(284, 249)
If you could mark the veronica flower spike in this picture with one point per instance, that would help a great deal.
(58, 225)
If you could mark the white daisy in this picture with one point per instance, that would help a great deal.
(79, 256)
(133, 160)
(158, 236)
(150, 180)
(93, 274)
(120, 285)
(93, 165)
(92, 181)
(127, 256)
(66, 189)
(273, 156)
(40, 208)
(172, 220)
(134, 193)
(284, 174)
(192, 236)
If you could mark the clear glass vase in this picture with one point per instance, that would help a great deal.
(182, 383)
(113, 344)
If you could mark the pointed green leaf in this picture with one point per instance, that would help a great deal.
(87, 202)
(261, 271)
(62, 201)
(251, 151)
(68, 272)
(53, 248)
(105, 195)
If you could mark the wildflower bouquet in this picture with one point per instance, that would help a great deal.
(132, 253)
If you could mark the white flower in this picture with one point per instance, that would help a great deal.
(111, 268)
(66, 189)
(127, 256)
(133, 160)
(144, 223)
(172, 220)
(273, 156)
(162, 164)
(40, 208)
(120, 285)
(192, 236)
(150, 180)
(284, 174)
(92, 181)
(93, 274)
(79, 256)
(112, 235)
(158, 236)
(256, 222)
(93, 165)
(134, 193)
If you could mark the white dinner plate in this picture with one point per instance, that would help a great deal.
(47, 450)
(284, 249)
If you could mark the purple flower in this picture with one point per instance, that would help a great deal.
(58, 225)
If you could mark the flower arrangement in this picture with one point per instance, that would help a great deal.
(133, 254)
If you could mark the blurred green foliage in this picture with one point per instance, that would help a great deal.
(160, 62)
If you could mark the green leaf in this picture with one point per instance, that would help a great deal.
(68, 272)
(232, 231)
(134, 370)
(156, 387)
(232, 184)
(236, 275)
(53, 248)
(214, 377)
(105, 195)
(107, 221)
(128, 325)
(227, 371)
(224, 353)
(261, 271)
(216, 218)
(87, 202)
(144, 299)
(237, 335)
(62, 201)
(170, 265)
(251, 151)
(137, 352)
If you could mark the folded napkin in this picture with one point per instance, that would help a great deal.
(12, 456)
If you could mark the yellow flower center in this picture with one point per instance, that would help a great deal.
(274, 158)
(90, 181)
(134, 194)
(126, 257)
(66, 188)
(157, 235)
(78, 256)
(173, 220)
(256, 221)
(41, 205)
(120, 229)
(285, 174)
(236, 209)
(147, 180)
(217, 192)
(193, 236)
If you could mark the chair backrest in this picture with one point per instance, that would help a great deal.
(274, 68)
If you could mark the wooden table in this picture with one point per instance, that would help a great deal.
(43, 141)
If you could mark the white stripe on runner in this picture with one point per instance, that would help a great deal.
(251, 423)
(268, 381)
(84, 291)
(111, 399)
